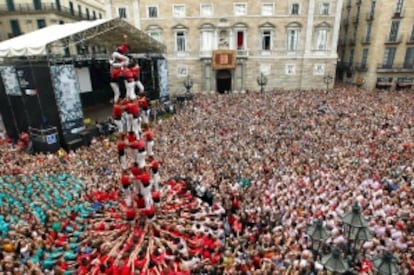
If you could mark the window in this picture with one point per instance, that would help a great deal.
(240, 36)
(240, 9)
(122, 12)
(178, 10)
(399, 6)
(351, 57)
(182, 70)
(412, 34)
(100, 15)
(58, 6)
(319, 69)
(88, 16)
(79, 10)
(368, 32)
(61, 22)
(290, 69)
(389, 55)
(409, 58)
(395, 25)
(292, 39)
(94, 14)
(152, 12)
(71, 9)
(207, 40)
(322, 39)
(266, 40)
(267, 9)
(41, 23)
(364, 58)
(180, 42)
(294, 9)
(206, 10)
(67, 52)
(37, 4)
(324, 9)
(15, 27)
(10, 5)
(156, 35)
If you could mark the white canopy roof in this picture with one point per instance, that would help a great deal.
(104, 32)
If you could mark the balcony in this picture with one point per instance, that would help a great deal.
(396, 68)
(358, 2)
(361, 67)
(370, 16)
(243, 53)
(398, 14)
(366, 40)
(394, 39)
(355, 19)
(206, 54)
(24, 9)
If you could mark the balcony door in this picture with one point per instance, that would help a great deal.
(37, 4)
(58, 6)
(409, 59)
(10, 5)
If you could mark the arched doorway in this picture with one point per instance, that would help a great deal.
(223, 80)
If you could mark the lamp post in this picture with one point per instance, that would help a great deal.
(327, 79)
(355, 229)
(334, 262)
(188, 84)
(386, 265)
(318, 234)
(261, 81)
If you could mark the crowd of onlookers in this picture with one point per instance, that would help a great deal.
(265, 166)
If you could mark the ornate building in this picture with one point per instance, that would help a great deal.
(376, 44)
(225, 45)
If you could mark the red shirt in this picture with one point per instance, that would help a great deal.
(143, 102)
(116, 72)
(145, 178)
(120, 145)
(148, 135)
(125, 180)
(117, 110)
(123, 49)
(135, 71)
(128, 73)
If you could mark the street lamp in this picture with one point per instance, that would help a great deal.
(334, 262)
(188, 84)
(318, 234)
(261, 81)
(386, 265)
(327, 79)
(356, 229)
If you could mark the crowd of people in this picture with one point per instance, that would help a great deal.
(241, 178)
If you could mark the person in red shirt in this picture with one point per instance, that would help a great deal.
(141, 154)
(149, 141)
(145, 187)
(126, 183)
(117, 111)
(119, 58)
(121, 152)
(136, 121)
(130, 81)
(155, 175)
(136, 71)
(144, 104)
(115, 74)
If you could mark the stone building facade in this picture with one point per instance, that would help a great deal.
(376, 44)
(22, 16)
(292, 42)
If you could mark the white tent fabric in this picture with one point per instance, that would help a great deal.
(103, 32)
(35, 43)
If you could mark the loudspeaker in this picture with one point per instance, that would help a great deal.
(74, 144)
(86, 137)
(49, 146)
